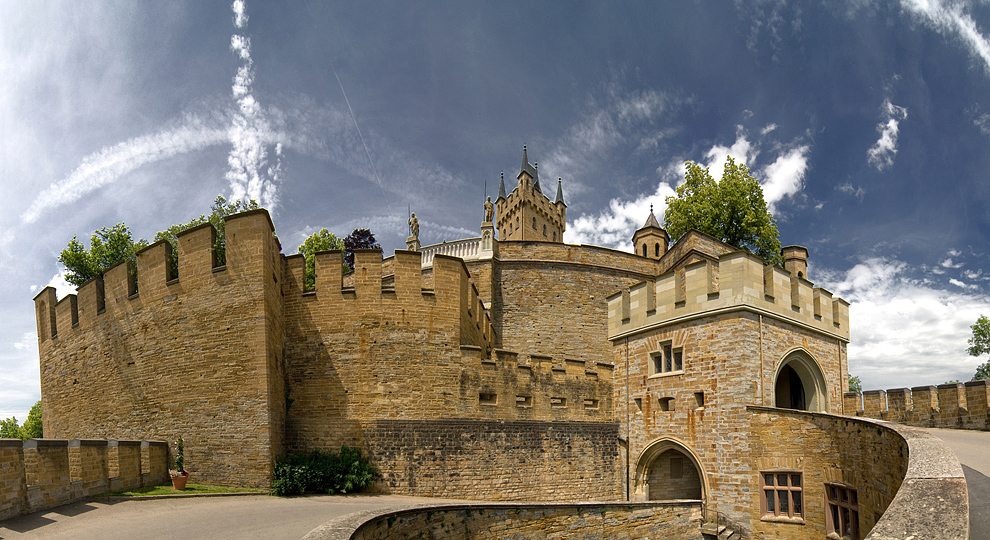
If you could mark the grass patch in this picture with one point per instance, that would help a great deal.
(191, 489)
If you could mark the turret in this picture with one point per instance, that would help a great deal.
(651, 239)
(796, 261)
(527, 214)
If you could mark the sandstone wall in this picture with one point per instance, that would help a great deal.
(668, 521)
(199, 356)
(952, 405)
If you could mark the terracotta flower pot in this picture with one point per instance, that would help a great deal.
(179, 482)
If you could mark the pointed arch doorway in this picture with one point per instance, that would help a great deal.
(799, 384)
(668, 470)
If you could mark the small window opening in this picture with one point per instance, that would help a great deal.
(639, 404)
(554, 236)
(488, 398)
(524, 401)
(801, 275)
(534, 224)
(699, 398)
(666, 404)
(644, 250)
(591, 404)
(667, 360)
(558, 402)
(843, 511)
(544, 231)
(656, 250)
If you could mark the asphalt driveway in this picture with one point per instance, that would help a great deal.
(972, 448)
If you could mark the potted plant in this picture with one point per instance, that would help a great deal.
(179, 474)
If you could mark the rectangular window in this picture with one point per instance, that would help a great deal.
(783, 496)
(667, 360)
(666, 404)
(842, 517)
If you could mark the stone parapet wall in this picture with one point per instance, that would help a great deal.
(496, 460)
(737, 279)
(125, 465)
(43, 473)
(910, 485)
(662, 520)
(952, 405)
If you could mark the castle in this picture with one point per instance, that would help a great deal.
(510, 366)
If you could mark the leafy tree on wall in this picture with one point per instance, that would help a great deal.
(358, 239)
(220, 209)
(323, 240)
(9, 429)
(980, 344)
(107, 248)
(855, 385)
(731, 209)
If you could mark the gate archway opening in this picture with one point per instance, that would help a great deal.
(667, 470)
(799, 384)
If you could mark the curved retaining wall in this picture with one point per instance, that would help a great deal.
(668, 520)
(910, 484)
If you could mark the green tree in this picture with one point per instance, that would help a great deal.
(107, 248)
(32, 426)
(9, 429)
(732, 210)
(980, 344)
(220, 209)
(323, 240)
(855, 385)
(358, 239)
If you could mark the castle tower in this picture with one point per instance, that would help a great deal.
(796, 261)
(651, 239)
(526, 214)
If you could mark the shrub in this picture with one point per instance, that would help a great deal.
(322, 472)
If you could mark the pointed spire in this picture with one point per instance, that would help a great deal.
(652, 220)
(527, 168)
(560, 194)
(536, 177)
(501, 186)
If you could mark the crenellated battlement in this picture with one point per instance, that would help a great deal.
(396, 290)
(950, 405)
(738, 280)
(251, 248)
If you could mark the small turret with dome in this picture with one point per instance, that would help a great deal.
(651, 239)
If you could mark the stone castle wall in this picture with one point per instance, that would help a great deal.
(198, 356)
(951, 405)
(44, 473)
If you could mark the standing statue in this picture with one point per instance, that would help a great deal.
(489, 210)
(414, 225)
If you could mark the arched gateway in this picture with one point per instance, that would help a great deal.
(799, 384)
(668, 470)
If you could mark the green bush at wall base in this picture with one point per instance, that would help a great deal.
(322, 472)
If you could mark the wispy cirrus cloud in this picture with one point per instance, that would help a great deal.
(881, 154)
(950, 18)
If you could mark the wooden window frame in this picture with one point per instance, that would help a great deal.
(842, 502)
(669, 360)
(794, 500)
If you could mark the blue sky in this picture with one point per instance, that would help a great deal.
(868, 124)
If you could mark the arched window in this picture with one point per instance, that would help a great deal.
(656, 250)
(644, 250)
(534, 224)
(544, 231)
(554, 236)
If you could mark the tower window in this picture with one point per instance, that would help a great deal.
(668, 360)
(554, 236)
(544, 231)
(644, 250)
(534, 224)
(656, 250)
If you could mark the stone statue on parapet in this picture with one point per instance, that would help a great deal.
(489, 210)
(414, 226)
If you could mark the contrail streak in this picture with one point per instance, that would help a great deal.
(373, 168)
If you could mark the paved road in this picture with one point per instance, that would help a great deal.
(973, 450)
(243, 517)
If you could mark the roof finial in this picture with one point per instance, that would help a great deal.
(651, 208)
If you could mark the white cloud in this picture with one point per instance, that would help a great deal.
(881, 154)
(28, 342)
(615, 226)
(742, 151)
(950, 19)
(784, 177)
(905, 332)
(963, 285)
(848, 188)
(113, 162)
(949, 263)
